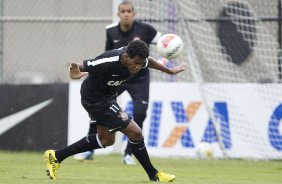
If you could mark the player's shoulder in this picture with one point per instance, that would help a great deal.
(145, 27)
(115, 53)
(112, 26)
(142, 24)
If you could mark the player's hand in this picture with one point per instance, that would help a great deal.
(177, 69)
(75, 72)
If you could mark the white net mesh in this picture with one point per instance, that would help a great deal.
(232, 51)
(248, 39)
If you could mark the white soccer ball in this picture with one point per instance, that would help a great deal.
(170, 46)
(204, 150)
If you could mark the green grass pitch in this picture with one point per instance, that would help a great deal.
(29, 168)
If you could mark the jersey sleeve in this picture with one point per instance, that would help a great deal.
(93, 67)
(155, 39)
(153, 34)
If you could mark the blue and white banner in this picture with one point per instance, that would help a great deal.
(247, 119)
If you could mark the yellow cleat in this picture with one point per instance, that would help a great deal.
(163, 177)
(51, 163)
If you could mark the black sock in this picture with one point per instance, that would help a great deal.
(92, 130)
(140, 152)
(92, 127)
(128, 150)
(87, 143)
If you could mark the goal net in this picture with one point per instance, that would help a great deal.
(232, 53)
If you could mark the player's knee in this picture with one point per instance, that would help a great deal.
(109, 142)
(106, 141)
(137, 134)
(133, 131)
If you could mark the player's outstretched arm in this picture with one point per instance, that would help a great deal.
(152, 63)
(76, 71)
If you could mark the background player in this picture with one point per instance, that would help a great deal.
(98, 96)
(119, 35)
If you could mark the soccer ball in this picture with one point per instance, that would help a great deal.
(204, 150)
(170, 46)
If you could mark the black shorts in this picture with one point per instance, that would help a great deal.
(109, 115)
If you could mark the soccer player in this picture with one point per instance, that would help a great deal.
(119, 35)
(98, 91)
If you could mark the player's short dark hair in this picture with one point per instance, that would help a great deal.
(137, 48)
(126, 2)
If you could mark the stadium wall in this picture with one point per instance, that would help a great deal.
(177, 120)
(33, 117)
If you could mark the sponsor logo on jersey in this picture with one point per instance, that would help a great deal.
(115, 83)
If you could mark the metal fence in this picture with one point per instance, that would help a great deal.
(38, 38)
